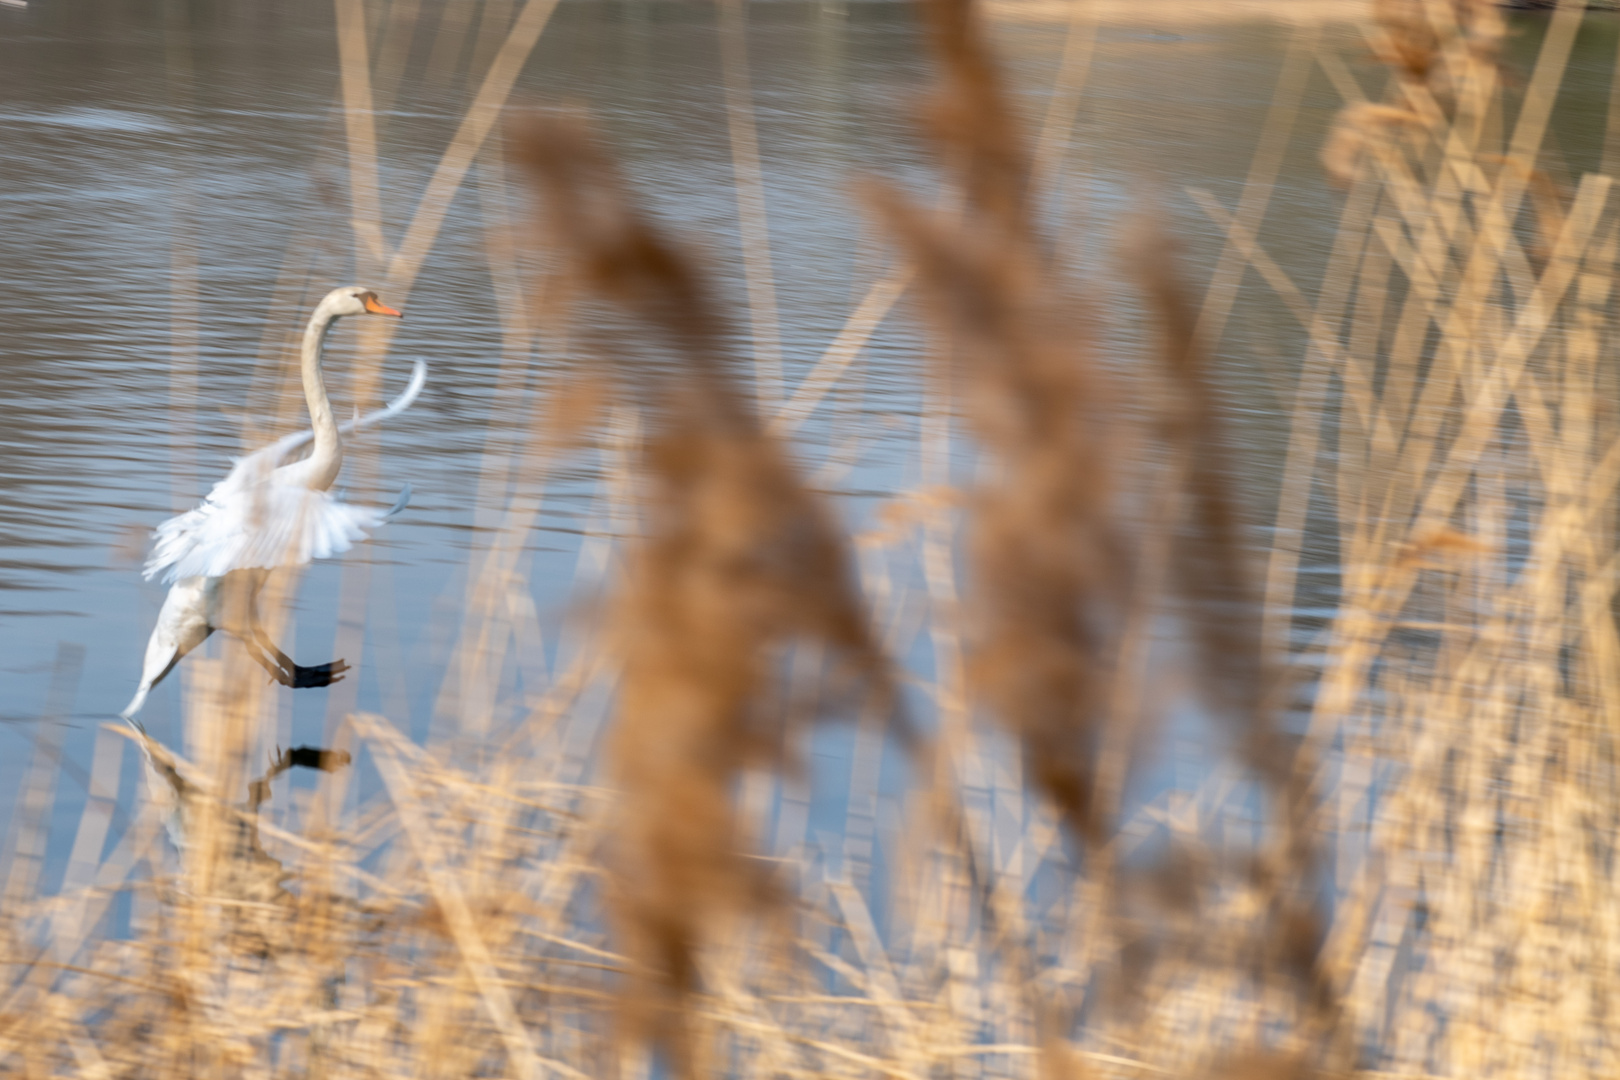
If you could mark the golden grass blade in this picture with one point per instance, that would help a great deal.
(273, 378)
(360, 128)
(1299, 467)
(449, 41)
(883, 986)
(30, 820)
(1245, 244)
(751, 213)
(493, 22)
(185, 310)
(857, 330)
(475, 953)
(84, 859)
(1343, 81)
(1258, 186)
(399, 32)
(465, 145)
(490, 580)
(402, 268)
(1513, 353)
(1078, 47)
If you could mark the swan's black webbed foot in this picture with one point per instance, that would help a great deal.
(317, 675)
(280, 667)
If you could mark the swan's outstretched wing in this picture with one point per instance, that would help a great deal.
(258, 525)
(277, 451)
(249, 520)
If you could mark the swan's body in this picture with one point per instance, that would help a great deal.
(264, 514)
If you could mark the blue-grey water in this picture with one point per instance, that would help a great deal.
(149, 149)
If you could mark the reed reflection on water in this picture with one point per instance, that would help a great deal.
(1124, 782)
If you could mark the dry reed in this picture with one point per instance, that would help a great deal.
(1413, 874)
(738, 561)
(1047, 548)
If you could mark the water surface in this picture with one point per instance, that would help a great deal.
(146, 147)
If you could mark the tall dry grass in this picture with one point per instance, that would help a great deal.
(739, 562)
(1414, 879)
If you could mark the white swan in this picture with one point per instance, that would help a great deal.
(265, 514)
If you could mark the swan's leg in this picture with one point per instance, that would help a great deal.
(295, 675)
(302, 677)
(290, 674)
(182, 625)
(281, 667)
(240, 596)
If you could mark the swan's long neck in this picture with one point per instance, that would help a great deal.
(327, 457)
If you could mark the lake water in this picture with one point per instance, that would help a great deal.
(146, 146)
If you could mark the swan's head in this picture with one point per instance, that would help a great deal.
(356, 300)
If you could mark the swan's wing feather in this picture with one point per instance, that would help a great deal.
(298, 525)
(255, 519)
(400, 503)
(278, 450)
(400, 403)
(268, 525)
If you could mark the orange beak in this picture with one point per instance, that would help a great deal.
(377, 307)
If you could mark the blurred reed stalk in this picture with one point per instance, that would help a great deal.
(738, 561)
